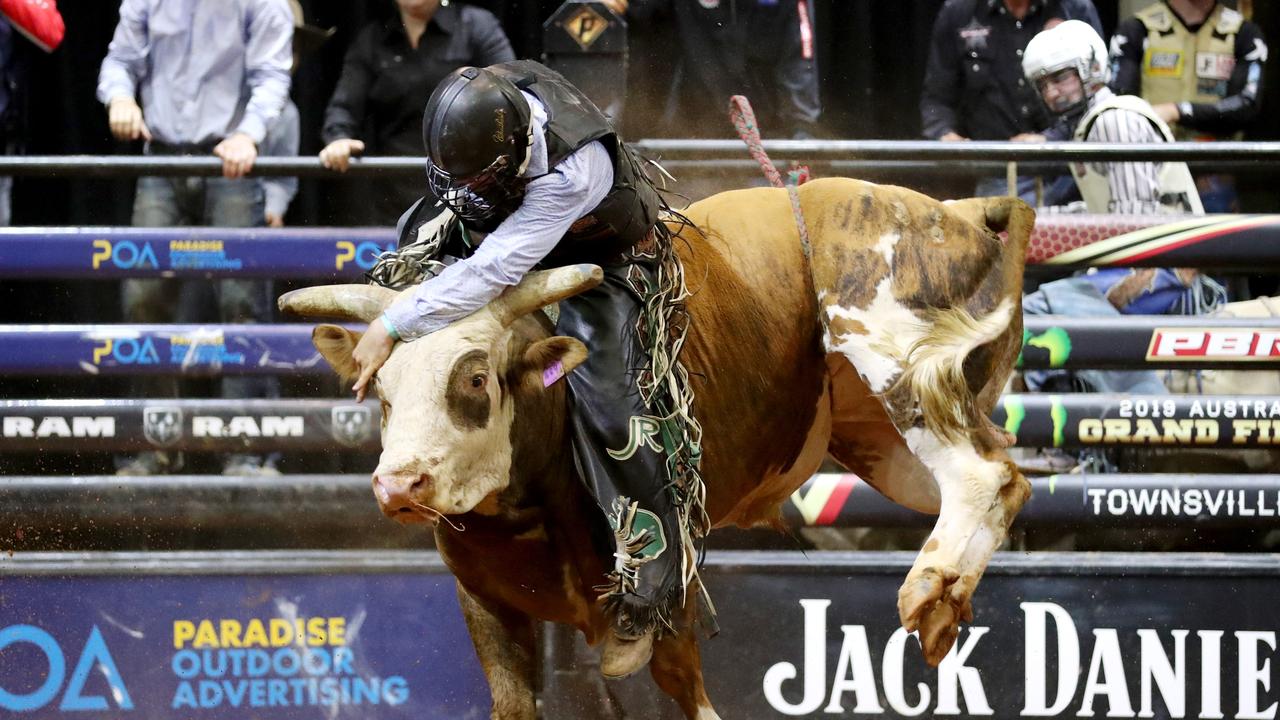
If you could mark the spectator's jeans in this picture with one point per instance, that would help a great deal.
(1077, 297)
(6, 192)
(1056, 190)
(1218, 193)
(218, 202)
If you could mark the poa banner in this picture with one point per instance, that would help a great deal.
(339, 645)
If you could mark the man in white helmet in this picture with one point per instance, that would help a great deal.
(1068, 65)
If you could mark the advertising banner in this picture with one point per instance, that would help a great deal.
(1149, 342)
(1054, 635)
(1114, 420)
(379, 635)
(1065, 501)
(232, 425)
(1235, 242)
(232, 640)
(113, 252)
(191, 350)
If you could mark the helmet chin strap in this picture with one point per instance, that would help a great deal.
(528, 141)
(528, 150)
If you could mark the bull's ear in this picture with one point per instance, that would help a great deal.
(336, 344)
(546, 361)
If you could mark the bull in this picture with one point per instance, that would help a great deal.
(886, 350)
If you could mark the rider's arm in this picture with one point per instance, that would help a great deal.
(552, 204)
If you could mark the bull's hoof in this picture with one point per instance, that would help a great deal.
(935, 603)
(920, 592)
(939, 629)
(625, 656)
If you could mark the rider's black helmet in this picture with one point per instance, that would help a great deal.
(476, 133)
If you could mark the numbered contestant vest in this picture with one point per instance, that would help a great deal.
(1179, 65)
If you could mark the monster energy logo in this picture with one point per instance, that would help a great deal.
(1015, 413)
(1055, 340)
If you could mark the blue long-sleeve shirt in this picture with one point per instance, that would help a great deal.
(282, 140)
(203, 69)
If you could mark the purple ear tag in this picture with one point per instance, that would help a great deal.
(552, 373)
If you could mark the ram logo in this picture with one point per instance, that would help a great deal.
(162, 426)
(352, 425)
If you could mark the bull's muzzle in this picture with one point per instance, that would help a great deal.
(396, 497)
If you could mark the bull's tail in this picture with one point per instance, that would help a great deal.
(933, 369)
(933, 373)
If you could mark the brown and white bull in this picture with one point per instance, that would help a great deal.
(922, 325)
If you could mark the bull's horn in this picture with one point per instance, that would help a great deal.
(342, 302)
(545, 287)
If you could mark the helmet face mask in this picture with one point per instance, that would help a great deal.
(1067, 63)
(1062, 90)
(475, 199)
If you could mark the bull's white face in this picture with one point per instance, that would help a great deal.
(446, 440)
(448, 399)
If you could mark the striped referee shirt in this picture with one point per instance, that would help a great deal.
(1135, 186)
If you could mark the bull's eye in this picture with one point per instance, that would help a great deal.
(467, 394)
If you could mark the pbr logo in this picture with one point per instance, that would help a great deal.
(1214, 344)
(351, 425)
(162, 426)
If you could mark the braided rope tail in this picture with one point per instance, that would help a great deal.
(744, 121)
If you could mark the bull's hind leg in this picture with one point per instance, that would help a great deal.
(981, 493)
(917, 370)
(677, 665)
(504, 642)
(966, 481)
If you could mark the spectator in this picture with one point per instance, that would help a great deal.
(213, 76)
(1068, 66)
(41, 23)
(387, 78)
(281, 141)
(1199, 63)
(283, 136)
(763, 49)
(973, 84)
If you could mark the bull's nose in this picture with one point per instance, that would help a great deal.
(395, 493)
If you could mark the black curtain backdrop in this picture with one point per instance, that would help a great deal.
(871, 57)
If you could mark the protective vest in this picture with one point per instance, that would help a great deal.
(1177, 189)
(628, 212)
(1179, 65)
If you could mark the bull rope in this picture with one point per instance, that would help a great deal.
(744, 121)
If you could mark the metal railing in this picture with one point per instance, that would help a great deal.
(921, 154)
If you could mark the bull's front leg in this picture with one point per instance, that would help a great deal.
(677, 665)
(504, 642)
(981, 494)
